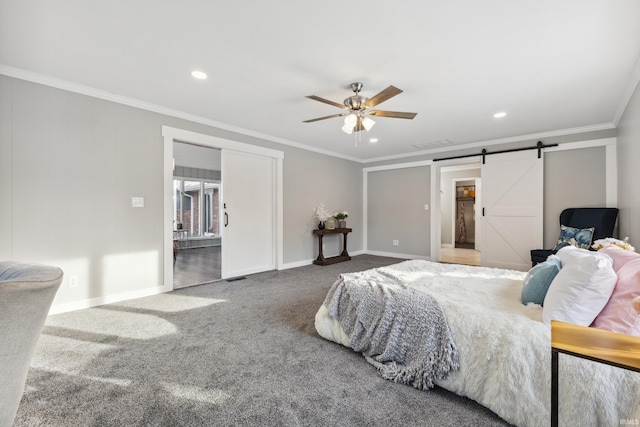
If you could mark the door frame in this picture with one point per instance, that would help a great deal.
(171, 135)
(436, 198)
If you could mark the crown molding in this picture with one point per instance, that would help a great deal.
(131, 102)
(499, 141)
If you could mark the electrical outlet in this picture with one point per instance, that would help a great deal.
(73, 281)
(396, 243)
(137, 202)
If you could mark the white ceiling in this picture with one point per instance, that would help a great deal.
(553, 66)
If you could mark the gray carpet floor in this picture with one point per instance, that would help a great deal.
(241, 353)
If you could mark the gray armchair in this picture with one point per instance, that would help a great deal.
(26, 294)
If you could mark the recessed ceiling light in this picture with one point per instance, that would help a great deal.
(500, 114)
(373, 140)
(199, 75)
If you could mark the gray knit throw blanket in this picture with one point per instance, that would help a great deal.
(402, 332)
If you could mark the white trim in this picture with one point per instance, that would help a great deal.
(297, 264)
(306, 262)
(172, 135)
(365, 210)
(399, 256)
(181, 135)
(108, 299)
(494, 142)
(602, 142)
(436, 213)
(398, 166)
(456, 168)
(611, 176)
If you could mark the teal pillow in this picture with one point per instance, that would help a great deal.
(578, 237)
(537, 281)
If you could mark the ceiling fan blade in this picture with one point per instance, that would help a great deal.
(358, 127)
(326, 101)
(323, 118)
(387, 93)
(393, 114)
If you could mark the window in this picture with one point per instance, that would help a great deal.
(196, 207)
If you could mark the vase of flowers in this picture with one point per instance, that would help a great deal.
(321, 214)
(342, 218)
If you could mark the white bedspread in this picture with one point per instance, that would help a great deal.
(505, 353)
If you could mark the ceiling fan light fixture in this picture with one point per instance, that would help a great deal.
(367, 123)
(350, 120)
(356, 120)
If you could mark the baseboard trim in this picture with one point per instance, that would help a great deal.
(295, 264)
(110, 299)
(395, 255)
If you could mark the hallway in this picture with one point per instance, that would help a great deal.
(197, 266)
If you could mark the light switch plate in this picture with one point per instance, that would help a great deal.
(137, 202)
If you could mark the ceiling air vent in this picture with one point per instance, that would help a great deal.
(431, 144)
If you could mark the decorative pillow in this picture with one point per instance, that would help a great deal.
(537, 281)
(619, 256)
(578, 237)
(619, 315)
(582, 287)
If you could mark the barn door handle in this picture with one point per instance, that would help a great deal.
(226, 219)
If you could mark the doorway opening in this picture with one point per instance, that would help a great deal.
(460, 219)
(197, 236)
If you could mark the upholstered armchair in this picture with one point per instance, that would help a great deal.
(26, 294)
(603, 220)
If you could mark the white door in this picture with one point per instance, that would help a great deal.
(512, 204)
(248, 189)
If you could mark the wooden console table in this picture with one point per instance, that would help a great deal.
(344, 256)
(620, 350)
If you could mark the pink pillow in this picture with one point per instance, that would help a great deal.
(619, 256)
(619, 315)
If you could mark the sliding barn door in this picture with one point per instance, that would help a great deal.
(248, 230)
(512, 203)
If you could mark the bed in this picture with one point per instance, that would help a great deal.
(503, 346)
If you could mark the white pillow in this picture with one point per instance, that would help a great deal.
(582, 287)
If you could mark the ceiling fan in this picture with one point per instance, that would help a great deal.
(358, 109)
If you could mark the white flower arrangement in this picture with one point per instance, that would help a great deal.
(321, 213)
(341, 215)
(603, 243)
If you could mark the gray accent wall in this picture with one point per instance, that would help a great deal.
(572, 179)
(70, 164)
(395, 211)
(311, 179)
(628, 151)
